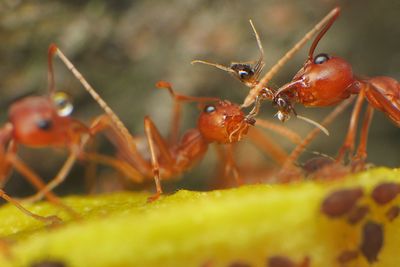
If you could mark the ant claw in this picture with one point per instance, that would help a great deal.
(154, 197)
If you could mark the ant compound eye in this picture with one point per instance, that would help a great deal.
(210, 109)
(44, 124)
(321, 58)
(243, 74)
(63, 104)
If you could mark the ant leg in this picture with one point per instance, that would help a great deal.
(282, 130)
(60, 177)
(90, 172)
(51, 220)
(348, 145)
(120, 165)
(231, 166)
(154, 139)
(36, 181)
(362, 147)
(265, 144)
(227, 168)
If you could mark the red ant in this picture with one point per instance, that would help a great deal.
(326, 80)
(44, 121)
(222, 122)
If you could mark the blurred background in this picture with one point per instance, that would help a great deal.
(124, 47)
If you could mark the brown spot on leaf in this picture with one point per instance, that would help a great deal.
(341, 202)
(280, 261)
(385, 192)
(357, 214)
(372, 241)
(347, 256)
(393, 213)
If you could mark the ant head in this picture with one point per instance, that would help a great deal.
(323, 80)
(223, 122)
(284, 106)
(244, 72)
(43, 121)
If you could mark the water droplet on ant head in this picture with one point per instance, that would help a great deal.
(63, 104)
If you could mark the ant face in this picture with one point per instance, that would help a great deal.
(223, 122)
(42, 121)
(323, 80)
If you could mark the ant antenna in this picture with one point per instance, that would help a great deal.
(50, 72)
(316, 124)
(260, 63)
(219, 66)
(268, 76)
(322, 33)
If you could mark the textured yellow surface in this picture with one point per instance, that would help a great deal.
(250, 224)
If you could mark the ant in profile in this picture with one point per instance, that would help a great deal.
(45, 121)
(221, 122)
(326, 80)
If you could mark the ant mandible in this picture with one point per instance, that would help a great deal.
(326, 80)
(222, 122)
